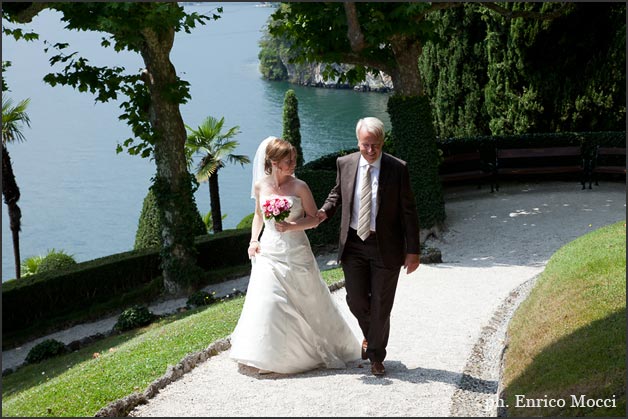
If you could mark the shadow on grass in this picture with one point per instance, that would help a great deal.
(590, 362)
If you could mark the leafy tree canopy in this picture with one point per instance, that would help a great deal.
(319, 32)
(130, 25)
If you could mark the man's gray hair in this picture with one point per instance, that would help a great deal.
(372, 125)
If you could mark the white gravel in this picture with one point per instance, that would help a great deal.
(448, 321)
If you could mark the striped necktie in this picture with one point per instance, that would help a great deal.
(364, 214)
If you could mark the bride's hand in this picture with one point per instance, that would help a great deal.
(253, 249)
(283, 226)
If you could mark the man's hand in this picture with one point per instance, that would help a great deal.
(321, 215)
(412, 262)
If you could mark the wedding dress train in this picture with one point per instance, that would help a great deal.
(289, 322)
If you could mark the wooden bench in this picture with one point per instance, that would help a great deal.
(466, 166)
(607, 160)
(540, 161)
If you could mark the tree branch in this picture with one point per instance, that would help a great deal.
(23, 12)
(354, 33)
(357, 59)
(510, 14)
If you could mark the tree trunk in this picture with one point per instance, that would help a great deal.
(414, 136)
(173, 188)
(214, 201)
(11, 194)
(405, 76)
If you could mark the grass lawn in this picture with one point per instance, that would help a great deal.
(79, 384)
(568, 339)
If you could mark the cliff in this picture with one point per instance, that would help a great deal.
(312, 75)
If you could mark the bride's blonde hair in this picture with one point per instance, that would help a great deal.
(276, 150)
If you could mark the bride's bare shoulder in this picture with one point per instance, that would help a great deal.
(262, 186)
(300, 185)
(302, 189)
(261, 183)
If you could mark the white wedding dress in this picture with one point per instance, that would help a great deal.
(289, 322)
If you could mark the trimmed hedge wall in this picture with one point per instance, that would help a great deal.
(320, 183)
(220, 250)
(415, 142)
(48, 295)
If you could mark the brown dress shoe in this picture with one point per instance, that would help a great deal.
(364, 346)
(377, 368)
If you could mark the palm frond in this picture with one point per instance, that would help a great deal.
(233, 131)
(238, 158)
(13, 117)
(224, 148)
(206, 167)
(214, 146)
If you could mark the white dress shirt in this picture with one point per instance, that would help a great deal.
(355, 209)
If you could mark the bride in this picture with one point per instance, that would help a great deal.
(289, 322)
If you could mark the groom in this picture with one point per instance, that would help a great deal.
(379, 233)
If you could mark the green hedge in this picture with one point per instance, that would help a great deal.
(224, 249)
(42, 297)
(415, 142)
(320, 183)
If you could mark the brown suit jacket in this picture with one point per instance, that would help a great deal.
(397, 219)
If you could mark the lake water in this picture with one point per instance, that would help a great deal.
(78, 195)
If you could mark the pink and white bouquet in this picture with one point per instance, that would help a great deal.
(276, 208)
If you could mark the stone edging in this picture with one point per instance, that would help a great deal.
(123, 406)
(481, 383)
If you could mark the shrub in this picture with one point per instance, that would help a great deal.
(55, 260)
(46, 349)
(291, 123)
(200, 298)
(148, 229)
(30, 266)
(149, 225)
(134, 317)
(209, 221)
(246, 222)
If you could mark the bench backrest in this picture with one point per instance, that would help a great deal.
(607, 158)
(507, 153)
(462, 162)
(611, 151)
(457, 158)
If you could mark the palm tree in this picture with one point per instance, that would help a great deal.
(13, 118)
(215, 148)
